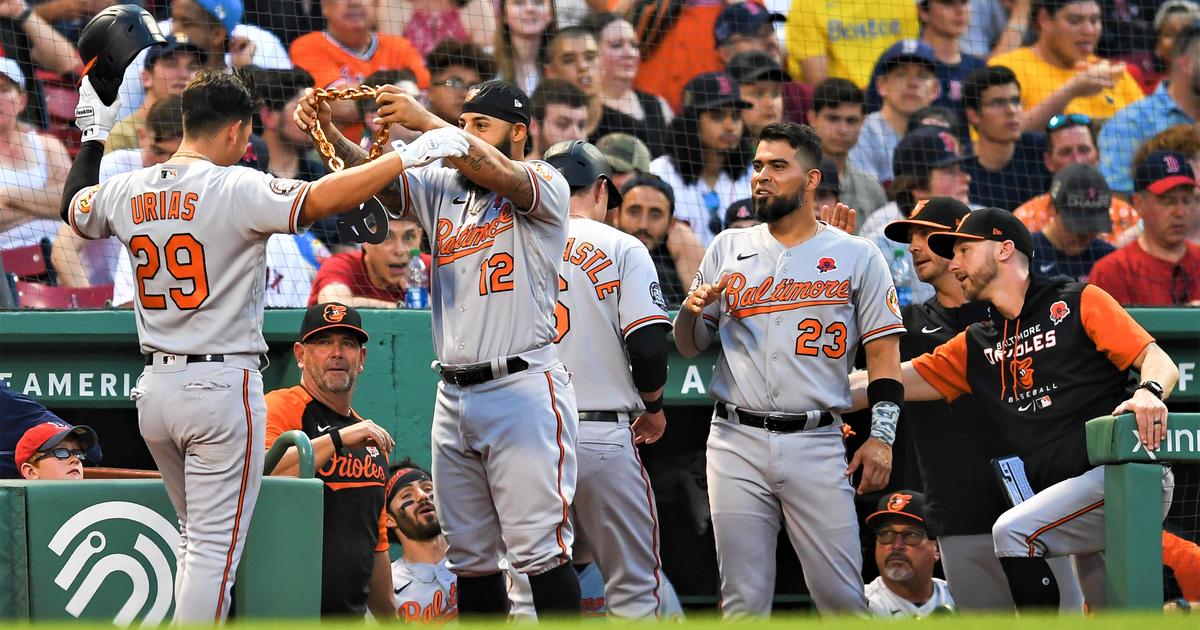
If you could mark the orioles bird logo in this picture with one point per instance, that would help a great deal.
(1059, 311)
(334, 313)
(826, 265)
(1022, 372)
(917, 208)
(897, 502)
(997, 232)
(959, 221)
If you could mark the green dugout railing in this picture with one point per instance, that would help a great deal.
(104, 550)
(1133, 502)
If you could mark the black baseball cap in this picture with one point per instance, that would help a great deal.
(740, 210)
(176, 44)
(1081, 197)
(942, 213)
(1163, 170)
(925, 149)
(899, 505)
(916, 51)
(985, 224)
(743, 18)
(753, 65)
(332, 316)
(829, 177)
(499, 99)
(712, 90)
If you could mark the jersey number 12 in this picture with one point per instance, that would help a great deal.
(184, 257)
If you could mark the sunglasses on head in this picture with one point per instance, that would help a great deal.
(1062, 121)
(61, 453)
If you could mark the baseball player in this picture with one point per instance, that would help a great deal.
(791, 300)
(612, 334)
(964, 499)
(196, 229)
(426, 590)
(1053, 354)
(505, 418)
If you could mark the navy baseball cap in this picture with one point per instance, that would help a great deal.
(1081, 197)
(985, 224)
(899, 505)
(499, 99)
(743, 18)
(712, 90)
(829, 177)
(753, 65)
(941, 213)
(176, 44)
(332, 316)
(740, 210)
(1163, 170)
(916, 51)
(925, 149)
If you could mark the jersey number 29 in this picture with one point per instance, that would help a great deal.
(185, 262)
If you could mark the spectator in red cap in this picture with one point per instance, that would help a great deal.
(54, 451)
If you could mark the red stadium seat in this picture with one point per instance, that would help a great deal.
(61, 97)
(36, 295)
(24, 262)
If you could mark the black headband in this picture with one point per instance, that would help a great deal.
(402, 477)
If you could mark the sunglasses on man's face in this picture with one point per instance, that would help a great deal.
(61, 453)
(1062, 121)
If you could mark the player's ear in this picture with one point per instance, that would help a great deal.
(298, 351)
(518, 132)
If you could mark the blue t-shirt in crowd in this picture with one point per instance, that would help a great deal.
(1024, 177)
(1050, 261)
(18, 414)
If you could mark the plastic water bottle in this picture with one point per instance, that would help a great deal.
(417, 294)
(903, 276)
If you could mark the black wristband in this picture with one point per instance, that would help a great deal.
(336, 437)
(885, 390)
(23, 16)
(653, 406)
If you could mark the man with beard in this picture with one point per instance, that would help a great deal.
(350, 456)
(1054, 353)
(424, 588)
(791, 300)
(905, 554)
(646, 212)
(498, 228)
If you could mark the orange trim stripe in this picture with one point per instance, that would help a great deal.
(71, 216)
(86, 69)
(562, 456)
(710, 318)
(343, 485)
(1033, 537)
(882, 330)
(644, 320)
(750, 311)
(654, 520)
(237, 519)
(407, 201)
(294, 215)
(537, 191)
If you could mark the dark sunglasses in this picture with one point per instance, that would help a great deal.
(61, 453)
(1181, 286)
(911, 537)
(1062, 121)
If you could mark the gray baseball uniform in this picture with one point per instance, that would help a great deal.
(504, 449)
(196, 235)
(609, 289)
(425, 593)
(789, 322)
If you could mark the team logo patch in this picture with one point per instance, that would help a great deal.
(543, 171)
(85, 200)
(1043, 402)
(656, 295)
(826, 265)
(897, 502)
(917, 208)
(697, 280)
(472, 93)
(283, 186)
(334, 313)
(168, 174)
(893, 302)
(997, 232)
(1022, 372)
(1059, 311)
(372, 451)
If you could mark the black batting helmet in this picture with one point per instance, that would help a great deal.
(109, 43)
(582, 164)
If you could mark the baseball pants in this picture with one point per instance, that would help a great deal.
(1065, 519)
(504, 469)
(205, 426)
(977, 581)
(616, 517)
(754, 478)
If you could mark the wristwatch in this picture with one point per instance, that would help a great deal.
(1152, 387)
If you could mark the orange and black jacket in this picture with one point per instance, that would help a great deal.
(1041, 375)
(354, 502)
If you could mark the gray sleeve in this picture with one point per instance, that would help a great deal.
(88, 213)
(263, 204)
(709, 273)
(641, 300)
(876, 307)
(424, 190)
(551, 194)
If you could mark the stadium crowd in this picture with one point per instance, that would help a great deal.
(1079, 117)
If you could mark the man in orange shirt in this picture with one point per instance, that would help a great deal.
(684, 50)
(1070, 140)
(349, 49)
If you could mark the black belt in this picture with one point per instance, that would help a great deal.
(193, 358)
(790, 423)
(479, 373)
(599, 416)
